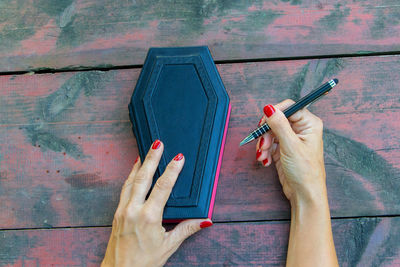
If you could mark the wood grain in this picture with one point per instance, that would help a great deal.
(359, 242)
(103, 33)
(66, 141)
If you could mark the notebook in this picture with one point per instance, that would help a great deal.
(180, 99)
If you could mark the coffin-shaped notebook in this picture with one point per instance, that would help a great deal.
(180, 99)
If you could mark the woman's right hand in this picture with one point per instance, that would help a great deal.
(296, 146)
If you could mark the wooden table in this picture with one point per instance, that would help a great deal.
(68, 69)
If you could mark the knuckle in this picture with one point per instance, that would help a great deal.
(164, 183)
(124, 215)
(151, 157)
(190, 229)
(148, 216)
(117, 216)
(289, 101)
(128, 182)
(173, 167)
(140, 178)
(319, 123)
(277, 120)
(129, 215)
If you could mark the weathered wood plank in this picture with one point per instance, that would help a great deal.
(66, 143)
(100, 33)
(359, 242)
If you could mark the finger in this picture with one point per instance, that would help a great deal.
(258, 144)
(268, 159)
(261, 155)
(272, 151)
(280, 126)
(273, 148)
(135, 168)
(185, 229)
(307, 123)
(260, 140)
(261, 122)
(276, 153)
(265, 141)
(300, 116)
(144, 176)
(284, 104)
(163, 187)
(127, 187)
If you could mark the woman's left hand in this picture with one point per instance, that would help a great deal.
(138, 237)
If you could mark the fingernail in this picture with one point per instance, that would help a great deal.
(178, 157)
(265, 161)
(137, 158)
(269, 110)
(261, 141)
(205, 224)
(258, 153)
(156, 144)
(259, 123)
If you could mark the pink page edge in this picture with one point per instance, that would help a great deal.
(221, 152)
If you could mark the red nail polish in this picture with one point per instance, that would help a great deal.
(265, 161)
(137, 158)
(258, 154)
(156, 144)
(261, 141)
(178, 157)
(269, 110)
(205, 224)
(259, 123)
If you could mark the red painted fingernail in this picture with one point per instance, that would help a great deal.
(269, 110)
(259, 123)
(156, 144)
(137, 158)
(261, 141)
(265, 161)
(258, 153)
(205, 224)
(178, 157)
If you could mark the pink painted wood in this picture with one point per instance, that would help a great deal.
(102, 33)
(67, 146)
(359, 242)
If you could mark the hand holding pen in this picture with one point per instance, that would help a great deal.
(295, 145)
(303, 102)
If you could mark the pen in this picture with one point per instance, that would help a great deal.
(303, 102)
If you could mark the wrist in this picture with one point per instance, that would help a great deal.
(311, 198)
(315, 211)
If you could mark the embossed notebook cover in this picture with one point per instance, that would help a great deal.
(180, 99)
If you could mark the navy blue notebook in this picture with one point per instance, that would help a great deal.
(180, 99)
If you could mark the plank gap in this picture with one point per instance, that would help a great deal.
(216, 222)
(221, 62)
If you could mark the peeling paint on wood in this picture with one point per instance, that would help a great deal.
(359, 242)
(67, 146)
(87, 147)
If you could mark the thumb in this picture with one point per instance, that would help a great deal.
(187, 228)
(280, 126)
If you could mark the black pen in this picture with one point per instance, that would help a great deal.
(304, 102)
